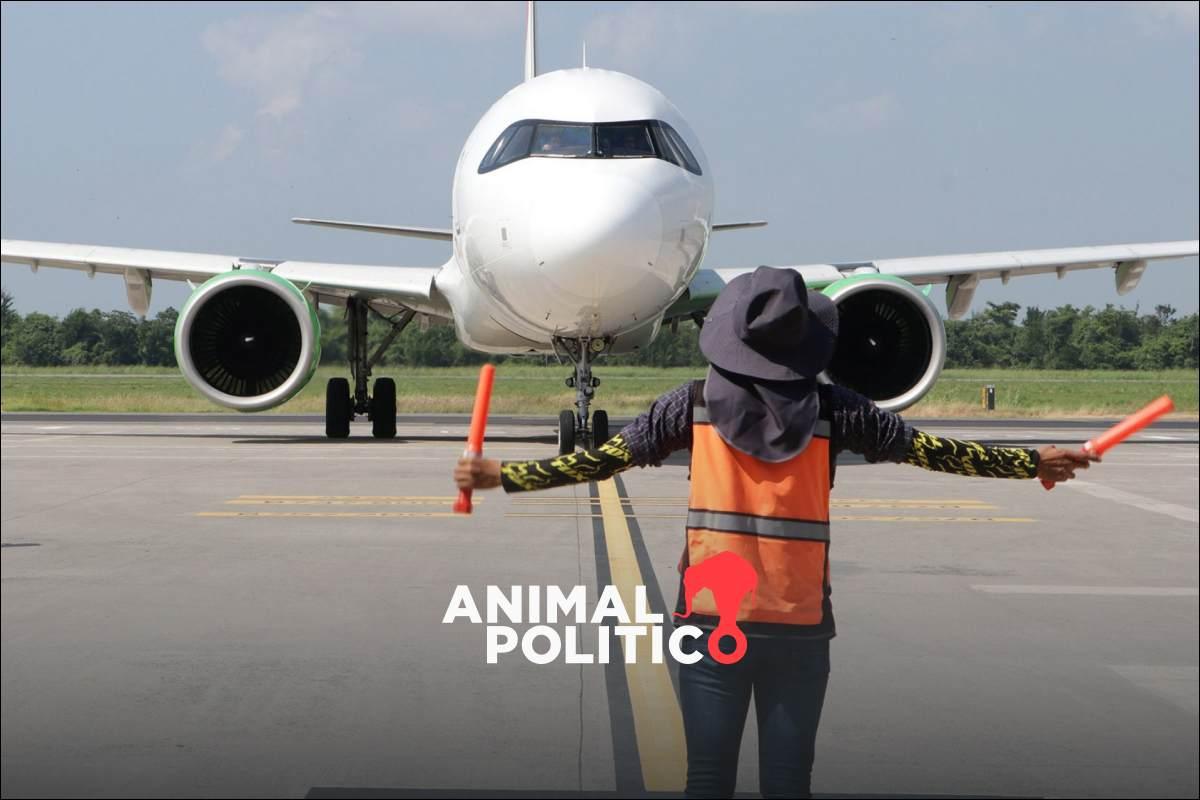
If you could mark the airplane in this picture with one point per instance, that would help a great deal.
(581, 213)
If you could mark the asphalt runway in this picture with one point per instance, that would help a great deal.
(235, 606)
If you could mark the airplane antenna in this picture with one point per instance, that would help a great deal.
(585, 54)
(531, 41)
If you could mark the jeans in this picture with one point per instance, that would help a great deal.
(788, 677)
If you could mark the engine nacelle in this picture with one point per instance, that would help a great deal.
(248, 339)
(891, 341)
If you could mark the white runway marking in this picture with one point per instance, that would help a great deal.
(1136, 500)
(1176, 685)
(1107, 591)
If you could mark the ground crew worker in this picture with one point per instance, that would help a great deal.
(764, 437)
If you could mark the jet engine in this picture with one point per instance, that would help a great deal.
(248, 339)
(891, 340)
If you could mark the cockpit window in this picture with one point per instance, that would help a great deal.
(553, 139)
(671, 142)
(625, 140)
(517, 144)
(566, 141)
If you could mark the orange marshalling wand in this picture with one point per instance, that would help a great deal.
(483, 399)
(1125, 428)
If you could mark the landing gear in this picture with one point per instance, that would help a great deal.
(599, 428)
(383, 409)
(581, 425)
(340, 406)
(338, 410)
(566, 432)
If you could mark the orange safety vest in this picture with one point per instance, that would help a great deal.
(773, 515)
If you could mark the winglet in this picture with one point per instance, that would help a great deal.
(531, 41)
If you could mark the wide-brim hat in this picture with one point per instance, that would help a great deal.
(770, 420)
(768, 325)
(767, 337)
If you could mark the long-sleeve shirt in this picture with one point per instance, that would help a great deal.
(858, 426)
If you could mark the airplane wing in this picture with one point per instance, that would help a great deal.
(411, 287)
(960, 273)
(438, 234)
(737, 226)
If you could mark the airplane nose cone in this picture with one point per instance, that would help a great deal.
(597, 237)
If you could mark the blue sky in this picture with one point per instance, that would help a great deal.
(859, 131)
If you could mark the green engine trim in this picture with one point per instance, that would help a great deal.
(266, 276)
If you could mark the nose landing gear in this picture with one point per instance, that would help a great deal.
(574, 426)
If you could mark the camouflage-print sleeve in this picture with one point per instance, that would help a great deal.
(970, 458)
(589, 465)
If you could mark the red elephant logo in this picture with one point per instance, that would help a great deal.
(729, 577)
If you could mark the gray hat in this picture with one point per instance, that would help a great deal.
(767, 337)
(767, 325)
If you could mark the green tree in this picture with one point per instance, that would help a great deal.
(1029, 347)
(8, 312)
(1106, 339)
(80, 332)
(118, 339)
(38, 342)
(1177, 346)
(156, 339)
(333, 337)
(10, 322)
(1060, 353)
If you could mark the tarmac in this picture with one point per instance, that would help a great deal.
(235, 606)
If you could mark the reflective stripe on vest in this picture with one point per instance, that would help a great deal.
(773, 515)
(759, 526)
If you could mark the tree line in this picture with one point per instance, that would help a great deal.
(1062, 338)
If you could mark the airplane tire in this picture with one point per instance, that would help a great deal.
(383, 409)
(566, 432)
(599, 428)
(337, 408)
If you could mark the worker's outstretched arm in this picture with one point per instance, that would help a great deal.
(664, 428)
(862, 427)
(595, 464)
(940, 454)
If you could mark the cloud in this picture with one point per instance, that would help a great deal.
(212, 150)
(278, 57)
(869, 113)
(284, 58)
(227, 142)
(639, 35)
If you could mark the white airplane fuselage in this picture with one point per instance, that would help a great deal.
(552, 247)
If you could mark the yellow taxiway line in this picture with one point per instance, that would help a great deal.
(657, 720)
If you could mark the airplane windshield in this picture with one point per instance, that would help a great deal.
(564, 141)
(553, 139)
(626, 140)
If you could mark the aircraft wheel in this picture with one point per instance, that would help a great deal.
(383, 409)
(599, 428)
(338, 410)
(566, 432)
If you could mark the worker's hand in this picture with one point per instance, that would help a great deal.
(1060, 465)
(477, 473)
